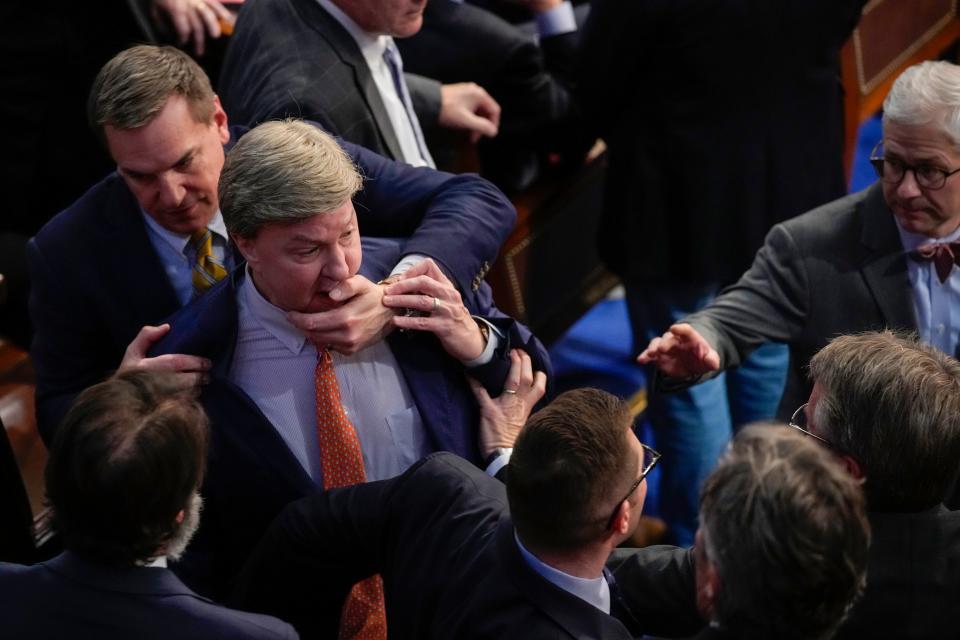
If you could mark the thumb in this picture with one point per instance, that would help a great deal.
(346, 289)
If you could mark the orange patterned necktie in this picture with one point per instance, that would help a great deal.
(206, 270)
(364, 615)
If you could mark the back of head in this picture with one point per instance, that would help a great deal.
(284, 171)
(785, 528)
(893, 405)
(126, 459)
(926, 93)
(569, 467)
(136, 83)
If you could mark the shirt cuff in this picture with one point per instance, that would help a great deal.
(559, 19)
(493, 341)
(499, 462)
(406, 262)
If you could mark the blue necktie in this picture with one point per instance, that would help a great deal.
(392, 57)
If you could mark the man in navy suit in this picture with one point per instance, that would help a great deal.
(120, 258)
(122, 478)
(286, 193)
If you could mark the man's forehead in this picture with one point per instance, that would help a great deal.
(322, 225)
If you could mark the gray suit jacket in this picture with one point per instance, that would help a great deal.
(837, 269)
(290, 58)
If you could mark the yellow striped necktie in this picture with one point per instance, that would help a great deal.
(206, 270)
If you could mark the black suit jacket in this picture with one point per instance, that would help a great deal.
(721, 117)
(290, 58)
(441, 536)
(68, 597)
(913, 578)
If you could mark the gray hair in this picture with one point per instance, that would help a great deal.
(892, 404)
(136, 83)
(284, 171)
(786, 528)
(927, 93)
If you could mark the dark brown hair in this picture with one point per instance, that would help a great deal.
(570, 465)
(125, 460)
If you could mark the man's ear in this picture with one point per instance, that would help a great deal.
(246, 246)
(852, 466)
(621, 522)
(220, 121)
(180, 517)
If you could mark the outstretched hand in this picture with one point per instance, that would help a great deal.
(192, 20)
(681, 352)
(466, 105)
(502, 418)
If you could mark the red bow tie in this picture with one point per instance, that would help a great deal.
(943, 255)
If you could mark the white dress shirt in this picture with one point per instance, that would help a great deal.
(373, 47)
(593, 591)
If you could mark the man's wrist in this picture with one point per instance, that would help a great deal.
(497, 460)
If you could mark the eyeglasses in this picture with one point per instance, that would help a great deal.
(650, 459)
(799, 422)
(892, 171)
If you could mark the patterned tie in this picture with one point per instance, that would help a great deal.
(364, 614)
(392, 57)
(943, 255)
(206, 270)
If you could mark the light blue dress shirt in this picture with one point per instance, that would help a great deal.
(593, 591)
(937, 304)
(178, 257)
(274, 364)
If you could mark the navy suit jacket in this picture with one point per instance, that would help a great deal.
(68, 597)
(252, 475)
(443, 540)
(96, 279)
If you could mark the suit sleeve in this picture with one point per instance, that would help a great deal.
(460, 221)
(66, 348)
(313, 553)
(656, 591)
(769, 303)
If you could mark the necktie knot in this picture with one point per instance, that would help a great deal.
(943, 255)
(206, 270)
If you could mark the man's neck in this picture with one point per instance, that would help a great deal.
(586, 562)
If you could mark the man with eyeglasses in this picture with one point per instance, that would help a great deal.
(880, 258)
(888, 407)
(461, 555)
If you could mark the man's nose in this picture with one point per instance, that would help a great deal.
(908, 187)
(172, 190)
(336, 267)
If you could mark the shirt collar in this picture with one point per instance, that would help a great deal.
(593, 591)
(371, 45)
(912, 240)
(179, 241)
(273, 319)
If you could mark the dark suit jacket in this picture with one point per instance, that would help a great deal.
(68, 597)
(442, 538)
(96, 279)
(913, 578)
(721, 117)
(290, 58)
(252, 475)
(835, 270)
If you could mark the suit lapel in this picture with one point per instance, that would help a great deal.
(349, 53)
(430, 377)
(133, 264)
(884, 265)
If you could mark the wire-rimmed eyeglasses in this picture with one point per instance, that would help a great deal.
(798, 421)
(650, 459)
